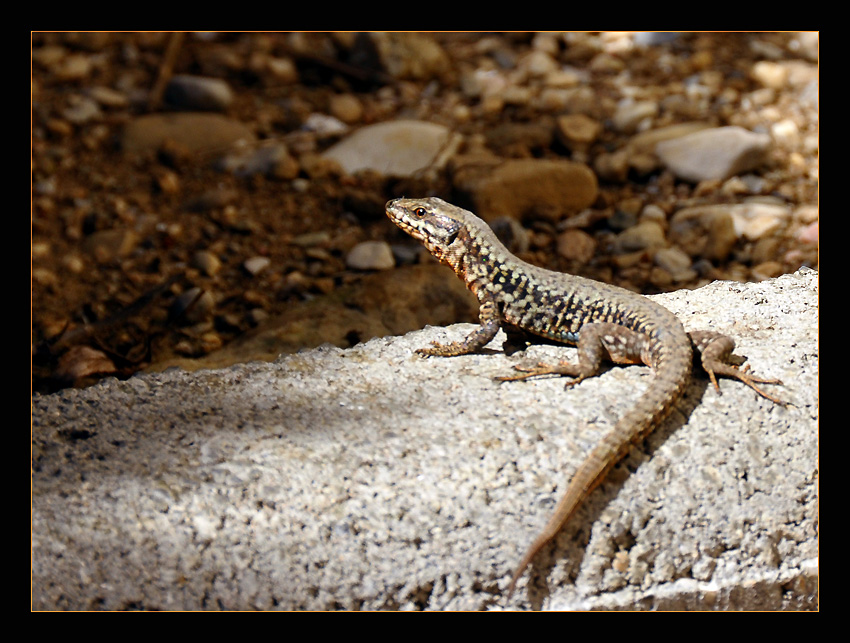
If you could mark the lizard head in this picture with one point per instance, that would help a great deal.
(432, 221)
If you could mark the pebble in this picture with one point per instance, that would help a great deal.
(546, 42)
(577, 131)
(82, 361)
(269, 160)
(807, 213)
(704, 231)
(370, 255)
(555, 99)
(770, 74)
(167, 181)
(82, 110)
(714, 154)
(605, 63)
(40, 249)
(210, 341)
(256, 265)
(648, 141)
(318, 238)
(639, 153)
(49, 56)
(632, 114)
(653, 212)
(396, 148)
(207, 262)
(786, 132)
(807, 43)
(108, 97)
(562, 78)
(44, 277)
(576, 245)
(481, 82)
(198, 92)
(346, 107)
(409, 55)
(542, 187)
(767, 270)
(765, 249)
(325, 126)
(317, 166)
(108, 245)
(46, 186)
(196, 132)
(654, 38)
(281, 71)
(631, 206)
(734, 186)
(614, 166)
(711, 231)
(74, 68)
(809, 234)
(524, 96)
(537, 63)
(646, 235)
(755, 220)
(753, 183)
(675, 262)
(319, 254)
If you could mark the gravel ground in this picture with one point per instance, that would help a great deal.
(147, 250)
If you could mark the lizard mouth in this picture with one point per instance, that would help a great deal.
(407, 227)
(397, 214)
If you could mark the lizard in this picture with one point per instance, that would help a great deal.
(603, 321)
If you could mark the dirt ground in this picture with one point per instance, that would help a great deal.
(141, 256)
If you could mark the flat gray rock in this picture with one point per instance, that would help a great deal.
(396, 148)
(714, 154)
(372, 478)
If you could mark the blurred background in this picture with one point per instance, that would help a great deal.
(203, 199)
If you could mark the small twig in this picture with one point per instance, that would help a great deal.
(356, 72)
(165, 70)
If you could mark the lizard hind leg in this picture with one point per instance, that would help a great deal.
(567, 369)
(717, 359)
(595, 342)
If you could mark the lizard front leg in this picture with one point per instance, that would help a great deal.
(488, 317)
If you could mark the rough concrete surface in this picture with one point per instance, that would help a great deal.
(372, 478)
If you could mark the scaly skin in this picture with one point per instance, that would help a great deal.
(603, 321)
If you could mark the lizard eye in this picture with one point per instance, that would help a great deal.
(420, 212)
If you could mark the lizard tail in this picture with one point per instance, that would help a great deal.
(671, 378)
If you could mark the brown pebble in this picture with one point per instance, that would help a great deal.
(576, 245)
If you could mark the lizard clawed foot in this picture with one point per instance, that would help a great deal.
(562, 369)
(527, 372)
(715, 368)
